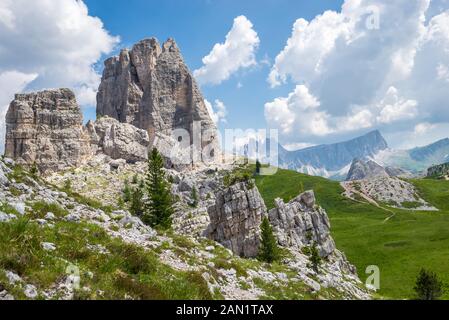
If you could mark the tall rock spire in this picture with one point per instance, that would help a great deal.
(152, 88)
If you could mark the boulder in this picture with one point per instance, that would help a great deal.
(119, 140)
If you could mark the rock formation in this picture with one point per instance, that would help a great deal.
(151, 87)
(301, 223)
(235, 219)
(46, 128)
(369, 169)
(237, 214)
(439, 171)
(119, 140)
(365, 169)
(145, 94)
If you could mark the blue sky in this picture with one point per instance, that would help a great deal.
(319, 71)
(197, 25)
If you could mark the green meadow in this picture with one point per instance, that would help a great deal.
(400, 245)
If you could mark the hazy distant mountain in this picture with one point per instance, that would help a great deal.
(416, 160)
(332, 160)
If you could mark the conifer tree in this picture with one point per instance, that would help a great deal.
(194, 196)
(258, 166)
(315, 258)
(269, 250)
(428, 286)
(126, 192)
(159, 206)
(137, 205)
(34, 171)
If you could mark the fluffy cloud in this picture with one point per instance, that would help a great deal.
(394, 108)
(217, 112)
(374, 64)
(47, 44)
(55, 39)
(423, 128)
(237, 52)
(298, 113)
(10, 83)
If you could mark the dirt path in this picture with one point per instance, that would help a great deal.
(349, 190)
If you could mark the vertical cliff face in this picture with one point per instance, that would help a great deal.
(235, 219)
(151, 87)
(301, 222)
(46, 128)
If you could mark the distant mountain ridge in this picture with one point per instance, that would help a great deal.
(332, 160)
(416, 160)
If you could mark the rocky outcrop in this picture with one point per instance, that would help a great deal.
(151, 88)
(237, 214)
(119, 140)
(390, 191)
(301, 223)
(365, 169)
(439, 171)
(46, 128)
(145, 94)
(235, 219)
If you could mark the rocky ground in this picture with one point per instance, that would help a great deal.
(390, 191)
(67, 232)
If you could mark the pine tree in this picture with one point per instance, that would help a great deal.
(127, 192)
(34, 171)
(137, 205)
(159, 207)
(315, 258)
(269, 250)
(258, 166)
(428, 286)
(194, 197)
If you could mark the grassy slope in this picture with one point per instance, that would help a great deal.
(126, 270)
(400, 246)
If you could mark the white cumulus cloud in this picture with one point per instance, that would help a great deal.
(237, 52)
(298, 113)
(375, 64)
(217, 112)
(10, 83)
(50, 44)
(57, 40)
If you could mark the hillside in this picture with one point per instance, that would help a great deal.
(400, 242)
(439, 171)
(53, 239)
